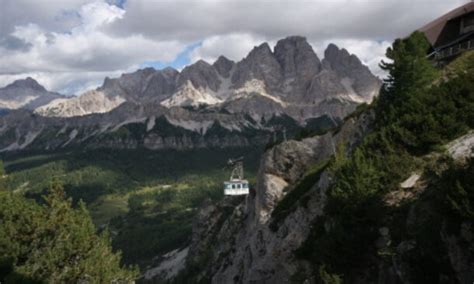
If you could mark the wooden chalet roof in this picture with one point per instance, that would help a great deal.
(434, 29)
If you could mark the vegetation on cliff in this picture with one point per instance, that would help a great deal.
(419, 109)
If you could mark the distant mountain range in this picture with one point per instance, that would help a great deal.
(204, 105)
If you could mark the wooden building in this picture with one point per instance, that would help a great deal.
(452, 33)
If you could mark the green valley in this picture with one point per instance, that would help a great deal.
(146, 199)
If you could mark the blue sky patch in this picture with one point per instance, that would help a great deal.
(118, 3)
(178, 63)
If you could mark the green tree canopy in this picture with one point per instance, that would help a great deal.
(54, 243)
(409, 67)
(409, 71)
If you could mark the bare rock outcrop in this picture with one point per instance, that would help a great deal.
(246, 249)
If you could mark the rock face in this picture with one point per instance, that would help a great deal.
(223, 66)
(25, 93)
(172, 264)
(143, 86)
(282, 167)
(463, 147)
(299, 65)
(201, 75)
(354, 74)
(260, 64)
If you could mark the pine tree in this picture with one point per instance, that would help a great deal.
(409, 71)
(56, 243)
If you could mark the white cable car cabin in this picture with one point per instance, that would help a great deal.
(236, 185)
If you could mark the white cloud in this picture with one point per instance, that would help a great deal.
(75, 43)
(52, 15)
(85, 51)
(193, 20)
(233, 46)
(97, 14)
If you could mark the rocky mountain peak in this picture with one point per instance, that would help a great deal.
(262, 50)
(129, 81)
(147, 71)
(260, 64)
(27, 83)
(349, 67)
(199, 63)
(297, 60)
(341, 59)
(201, 74)
(170, 72)
(107, 82)
(223, 66)
(143, 85)
(293, 44)
(333, 51)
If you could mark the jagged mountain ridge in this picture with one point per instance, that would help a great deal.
(291, 76)
(240, 99)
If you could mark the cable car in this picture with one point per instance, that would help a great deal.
(236, 185)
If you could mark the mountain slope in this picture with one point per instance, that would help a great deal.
(135, 126)
(87, 103)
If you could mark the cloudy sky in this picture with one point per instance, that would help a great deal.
(71, 45)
